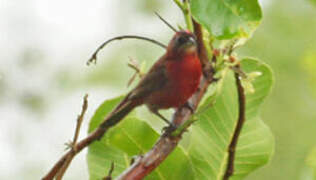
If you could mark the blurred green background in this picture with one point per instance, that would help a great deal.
(43, 77)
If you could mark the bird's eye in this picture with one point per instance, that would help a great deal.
(182, 40)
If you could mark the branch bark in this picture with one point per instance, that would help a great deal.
(241, 120)
(169, 140)
(73, 144)
(108, 122)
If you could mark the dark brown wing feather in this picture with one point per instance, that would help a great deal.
(154, 80)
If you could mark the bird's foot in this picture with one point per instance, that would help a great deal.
(162, 117)
(168, 129)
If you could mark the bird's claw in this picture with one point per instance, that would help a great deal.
(168, 129)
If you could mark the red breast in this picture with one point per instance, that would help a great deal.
(183, 80)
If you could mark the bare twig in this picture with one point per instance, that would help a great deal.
(80, 119)
(93, 58)
(170, 139)
(166, 22)
(108, 122)
(135, 66)
(241, 119)
(73, 144)
(109, 176)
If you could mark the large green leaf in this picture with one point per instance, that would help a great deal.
(226, 19)
(130, 138)
(213, 132)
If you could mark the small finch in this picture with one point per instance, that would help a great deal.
(170, 82)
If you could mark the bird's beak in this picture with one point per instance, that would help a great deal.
(190, 45)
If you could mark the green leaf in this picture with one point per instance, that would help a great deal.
(101, 155)
(130, 138)
(212, 134)
(226, 19)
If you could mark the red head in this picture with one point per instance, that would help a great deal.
(182, 43)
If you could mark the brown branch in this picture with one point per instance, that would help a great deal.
(73, 144)
(241, 119)
(109, 176)
(169, 140)
(72, 152)
(108, 122)
(93, 58)
(201, 50)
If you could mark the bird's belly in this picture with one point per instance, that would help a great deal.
(167, 100)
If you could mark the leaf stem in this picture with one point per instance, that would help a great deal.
(241, 120)
(185, 8)
(180, 5)
(93, 58)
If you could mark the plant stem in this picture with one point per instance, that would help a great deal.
(241, 120)
(187, 14)
(185, 8)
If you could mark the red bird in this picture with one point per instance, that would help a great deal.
(170, 82)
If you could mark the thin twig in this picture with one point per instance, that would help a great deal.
(239, 71)
(135, 66)
(109, 176)
(80, 119)
(73, 144)
(170, 139)
(241, 119)
(166, 22)
(93, 58)
(110, 121)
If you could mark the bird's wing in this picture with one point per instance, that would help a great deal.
(154, 80)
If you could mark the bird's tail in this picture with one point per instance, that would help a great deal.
(120, 111)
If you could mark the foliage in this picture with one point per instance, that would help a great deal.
(213, 132)
(226, 19)
(206, 154)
